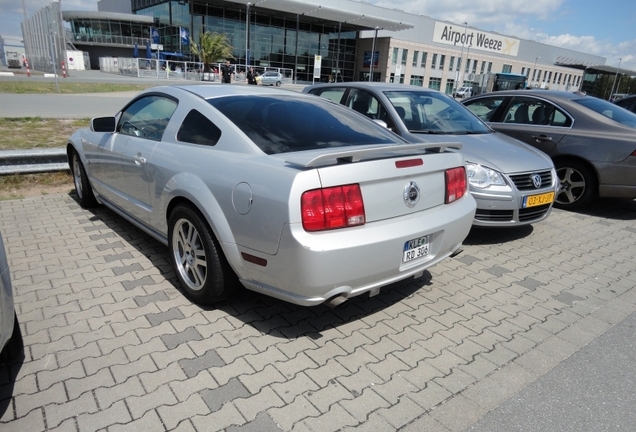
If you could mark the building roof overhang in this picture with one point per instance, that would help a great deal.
(81, 14)
(362, 20)
(577, 64)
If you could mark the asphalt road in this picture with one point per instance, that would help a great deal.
(593, 390)
(86, 105)
(530, 329)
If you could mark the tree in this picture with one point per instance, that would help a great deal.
(212, 47)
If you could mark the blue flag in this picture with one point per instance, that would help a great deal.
(185, 35)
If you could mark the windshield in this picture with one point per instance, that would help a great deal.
(609, 110)
(433, 112)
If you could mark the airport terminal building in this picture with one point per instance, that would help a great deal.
(331, 40)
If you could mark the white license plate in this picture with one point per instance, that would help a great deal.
(415, 249)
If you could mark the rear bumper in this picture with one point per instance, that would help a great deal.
(311, 268)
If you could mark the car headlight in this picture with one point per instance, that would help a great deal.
(483, 177)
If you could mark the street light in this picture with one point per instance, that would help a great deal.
(247, 32)
(534, 72)
(375, 36)
(461, 57)
(615, 76)
(467, 69)
(247, 37)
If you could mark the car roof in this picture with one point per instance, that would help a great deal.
(547, 94)
(207, 91)
(377, 86)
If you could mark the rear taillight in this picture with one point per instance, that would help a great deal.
(331, 208)
(455, 184)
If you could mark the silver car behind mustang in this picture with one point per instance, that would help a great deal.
(290, 195)
(512, 183)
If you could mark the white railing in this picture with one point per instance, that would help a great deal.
(151, 68)
(171, 69)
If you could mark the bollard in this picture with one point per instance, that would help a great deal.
(63, 70)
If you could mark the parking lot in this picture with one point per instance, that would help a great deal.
(112, 344)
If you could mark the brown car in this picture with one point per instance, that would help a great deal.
(591, 141)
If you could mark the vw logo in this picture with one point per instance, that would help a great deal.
(536, 180)
(411, 194)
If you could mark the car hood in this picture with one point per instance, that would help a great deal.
(495, 150)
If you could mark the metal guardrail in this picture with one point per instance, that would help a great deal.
(33, 161)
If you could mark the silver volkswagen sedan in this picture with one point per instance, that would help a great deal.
(288, 194)
(512, 183)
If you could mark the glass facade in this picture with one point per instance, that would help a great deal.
(276, 40)
(109, 31)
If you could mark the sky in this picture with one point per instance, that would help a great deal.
(601, 27)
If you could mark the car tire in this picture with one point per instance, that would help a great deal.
(278, 83)
(14, 345)
(206, 277)
(83, 188)
(578, 185)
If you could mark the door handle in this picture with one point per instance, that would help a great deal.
(542, 137)
(139, 160)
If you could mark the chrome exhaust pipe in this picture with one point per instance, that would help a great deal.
(335, 301)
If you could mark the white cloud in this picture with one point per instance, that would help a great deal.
(484, 14)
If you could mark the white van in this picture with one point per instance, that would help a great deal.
(463, 92)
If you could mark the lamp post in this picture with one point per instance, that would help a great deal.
(467, 70)
(615, 76)
(247, 37)
(338, 49)
(298, 37)
(375, 36)
(534, 72)
(27, 36)
(461, 56)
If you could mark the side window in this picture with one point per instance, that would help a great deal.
(147, 117)
(524, 110)
(365, 103)
(198, 129)
(484, 108)
(333, 94)
(560, 119)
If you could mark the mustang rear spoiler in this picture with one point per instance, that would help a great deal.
(354, 154)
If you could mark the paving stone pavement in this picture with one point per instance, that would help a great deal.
(112, 345)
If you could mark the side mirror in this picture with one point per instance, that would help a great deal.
(103, 124)
(381, 123)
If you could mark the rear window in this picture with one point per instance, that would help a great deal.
(281, 124)
(609, 110)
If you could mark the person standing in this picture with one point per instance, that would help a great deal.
(226, 72)
(251, 76)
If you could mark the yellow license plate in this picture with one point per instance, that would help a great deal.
(537, 200)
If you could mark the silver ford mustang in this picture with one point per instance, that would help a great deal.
(290, 195)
